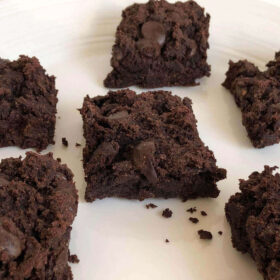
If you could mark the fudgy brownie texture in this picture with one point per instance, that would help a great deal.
(160, 44)
(258, 96)
(38, 203)
(145, 145)
(27, 104)
(254, 217)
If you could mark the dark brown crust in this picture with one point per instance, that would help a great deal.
(27, 104)
(179, 55)
(38, 205)
(145, 145)
(254, 217)
(258, 96)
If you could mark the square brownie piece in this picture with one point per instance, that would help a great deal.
(145, 145)
(254, 217)
(160, 44)
(38, 205)
(257, 94)
(27, 104)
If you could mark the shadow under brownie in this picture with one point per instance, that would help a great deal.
(27, 104)
(38, 203)
(254, 217)
(145, 145)
(160, 44)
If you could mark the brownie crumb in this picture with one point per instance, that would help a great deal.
(204, 234)
(167, 213)
(78, 144)
(59, 160)
(166, 240)
(203, 213)
(220, 232)
(73, 259)
(192, 210)
(151, 205)
(194, 220)
(64, 142)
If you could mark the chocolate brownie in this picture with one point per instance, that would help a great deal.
(145, 145)
(38, 203)
(27, 104)
(257, 94)
(160, 44)
(254, 217)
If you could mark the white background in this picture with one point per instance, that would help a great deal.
(119, 239)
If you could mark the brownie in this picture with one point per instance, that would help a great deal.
(145, 145)
(160, 44)
(27, 104)
(254, 217)
(38, 203)
(257, 94)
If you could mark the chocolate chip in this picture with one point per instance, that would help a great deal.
(3, 180)
(192, 210)
(9, 244)
(142, 157)
(220, 232)
(148, 48)
(203, 213)
(153, 31)
(118, 115)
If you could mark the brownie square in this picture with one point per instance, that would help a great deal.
(257, 94)
(38, 203)
(27, 104)
(145, 145)
(160, 44)
(254, 217)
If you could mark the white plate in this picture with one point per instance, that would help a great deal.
(119, 239)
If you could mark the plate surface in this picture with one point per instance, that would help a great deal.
(119, 239)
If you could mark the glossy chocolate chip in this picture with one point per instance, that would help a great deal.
(118, 115)
(9, 244)
(153, 30)
(143, 154)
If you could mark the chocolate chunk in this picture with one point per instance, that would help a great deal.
(203, 213)
(3, 180)
(143, 154)
(118, 115)
(9, 244)
(64, 142)
(203, 234)
(192, 210)
(153, 31)
(167, 213)
(151, 205)
(194, 220)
